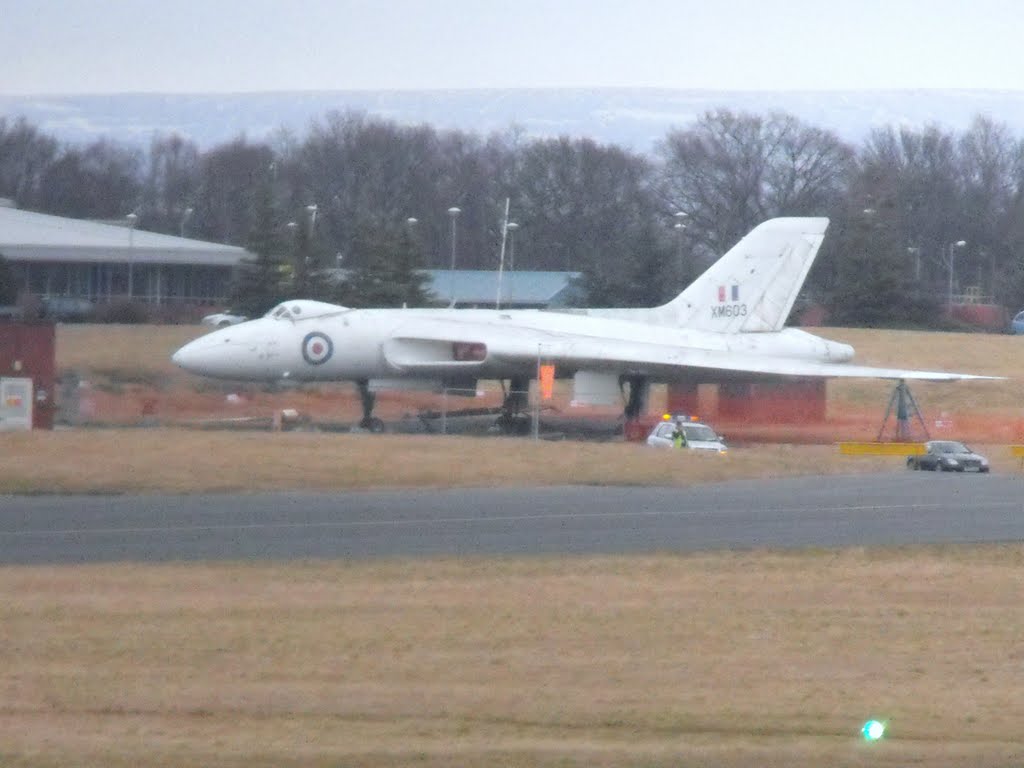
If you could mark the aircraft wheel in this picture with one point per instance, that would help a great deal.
(513, 424)
(521, 425)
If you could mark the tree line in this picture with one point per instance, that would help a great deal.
(917, 214)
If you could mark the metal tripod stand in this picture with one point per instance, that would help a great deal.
(904, 407)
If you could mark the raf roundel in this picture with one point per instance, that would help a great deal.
(317, 348)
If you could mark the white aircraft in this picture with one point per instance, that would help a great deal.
(726, 326)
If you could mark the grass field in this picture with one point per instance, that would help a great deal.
(718, 659)
(735, 659)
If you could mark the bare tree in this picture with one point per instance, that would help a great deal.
(227, 197)
(170, 186)
(100, 180)
(25, 154)
(731, 171)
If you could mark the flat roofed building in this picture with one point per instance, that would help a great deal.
(57, 256)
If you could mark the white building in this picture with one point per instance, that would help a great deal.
(53, 256)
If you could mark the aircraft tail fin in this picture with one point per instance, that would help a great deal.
(753, 286)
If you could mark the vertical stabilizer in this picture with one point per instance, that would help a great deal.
(752, 287)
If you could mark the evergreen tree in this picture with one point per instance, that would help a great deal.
(261, 282)
(874, 281)
(387, 271)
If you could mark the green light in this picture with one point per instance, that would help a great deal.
(873, 730)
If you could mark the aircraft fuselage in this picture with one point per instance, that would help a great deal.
(359, 344)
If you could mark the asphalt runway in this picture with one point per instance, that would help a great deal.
(887, 509)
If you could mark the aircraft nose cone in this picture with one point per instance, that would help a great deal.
(188, 357)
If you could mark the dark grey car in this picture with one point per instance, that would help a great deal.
(948, 456)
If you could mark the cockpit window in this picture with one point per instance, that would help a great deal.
(298, 309)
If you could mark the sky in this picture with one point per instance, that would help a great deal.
(227, 46)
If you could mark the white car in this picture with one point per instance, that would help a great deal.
(699, 437)
(223, 319)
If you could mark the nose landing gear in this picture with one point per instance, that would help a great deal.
(369, 422)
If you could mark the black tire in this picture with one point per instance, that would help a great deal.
(514, 424)
(372, 424)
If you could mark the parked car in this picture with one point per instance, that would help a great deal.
(699, 437)
(948, 456)
(1017, 324)
(223, 319)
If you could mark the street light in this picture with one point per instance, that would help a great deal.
(453, 212)
(184, 220)
(680, 229)
(916, 253)
(952, 256)
(511, 227)
(293, 255)
(132, 218)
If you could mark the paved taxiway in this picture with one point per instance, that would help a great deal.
(900, 508)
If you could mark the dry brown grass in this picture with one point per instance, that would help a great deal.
(142, 348)
(186, 461)
(732, 659)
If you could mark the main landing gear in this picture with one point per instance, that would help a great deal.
(513, 419)
(369, 422)
(636, 404)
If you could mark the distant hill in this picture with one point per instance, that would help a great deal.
(634, 118)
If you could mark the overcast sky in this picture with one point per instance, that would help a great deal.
(194, 46)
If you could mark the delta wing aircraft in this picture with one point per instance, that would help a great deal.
(728, 325)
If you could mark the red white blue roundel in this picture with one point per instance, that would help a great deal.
(317, 348)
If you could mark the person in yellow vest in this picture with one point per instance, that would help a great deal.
(678, 435)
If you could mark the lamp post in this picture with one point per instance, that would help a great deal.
(916, 253)
(952, 257)
(311, 210)
(132, 218)
(453, 212)
(293, 229)
(680, 228)
(511, 227)
(184, 220)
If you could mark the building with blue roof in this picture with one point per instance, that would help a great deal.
(513, 290)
